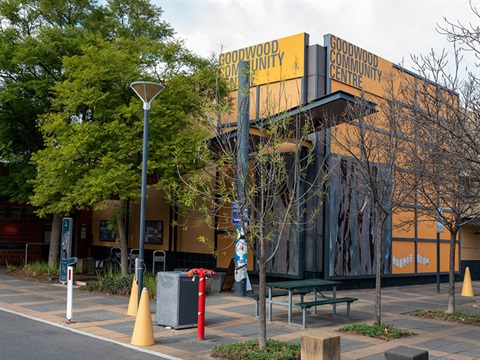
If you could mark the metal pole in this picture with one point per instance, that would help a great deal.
(240, 284)
(201, 304)
(438, 262)
(141, 262)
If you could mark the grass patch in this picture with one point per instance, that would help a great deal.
(384, 331)
(458, 316)
(249, 350)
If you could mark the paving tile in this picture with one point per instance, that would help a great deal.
(52, 306)
(470, 334)
(435, 344)
(231, 319)
(413, 324)
(380, 356)
(22, 299)
(9, 291)
(122, 327)
(98, 315)
(350, 345)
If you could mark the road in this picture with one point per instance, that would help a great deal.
(24, 338)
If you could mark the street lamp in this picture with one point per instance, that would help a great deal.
(146, 91)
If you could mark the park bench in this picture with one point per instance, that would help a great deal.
(276, 294)
(333, 301)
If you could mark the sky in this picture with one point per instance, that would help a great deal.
(391, 29)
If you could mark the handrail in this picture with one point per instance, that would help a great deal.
(26, 248)
(159, 258)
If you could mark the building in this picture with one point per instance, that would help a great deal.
(325, 80)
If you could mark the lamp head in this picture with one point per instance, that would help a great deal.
(146, 91)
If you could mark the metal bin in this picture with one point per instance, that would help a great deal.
(177, 300)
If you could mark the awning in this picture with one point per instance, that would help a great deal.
(329, 110)
(324, 112)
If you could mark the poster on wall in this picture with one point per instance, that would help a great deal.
(154, 232)
(106, 234)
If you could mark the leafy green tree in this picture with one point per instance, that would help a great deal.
(93, 133)
(34, 37)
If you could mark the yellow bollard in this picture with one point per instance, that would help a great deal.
(133, 303)
(143, 329)
(467, 288)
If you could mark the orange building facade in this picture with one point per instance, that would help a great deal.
(325, 79)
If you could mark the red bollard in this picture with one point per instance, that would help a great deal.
(203, 274)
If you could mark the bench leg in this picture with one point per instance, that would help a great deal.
(256, 308)
(304, 317)
(334, 311)
(269, 315)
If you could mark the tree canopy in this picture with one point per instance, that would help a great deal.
(66, 68)
(71, 128)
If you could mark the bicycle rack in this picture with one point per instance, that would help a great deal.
(159, 258)
(134, 254)
(26, 249)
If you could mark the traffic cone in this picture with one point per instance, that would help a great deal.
(133, 303)
(143, 329)
(467, 288)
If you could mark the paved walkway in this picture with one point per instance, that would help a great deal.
(231, 319)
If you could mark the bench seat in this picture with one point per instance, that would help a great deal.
(275, 294)
(308, 304)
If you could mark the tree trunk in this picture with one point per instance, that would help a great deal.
(378, 272)
(122, 207)
(262, 289)
(54, 251)
(451, 274)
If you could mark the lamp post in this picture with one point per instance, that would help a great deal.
(146, 91)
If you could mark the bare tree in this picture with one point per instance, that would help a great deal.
(445, 110)
(273, 195)
(371, 150)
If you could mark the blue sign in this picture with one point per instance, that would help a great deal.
(66, 249)
(237, 212)
(67, 228)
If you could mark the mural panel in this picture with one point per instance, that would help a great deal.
(352, 224)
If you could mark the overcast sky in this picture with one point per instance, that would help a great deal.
(392, 29)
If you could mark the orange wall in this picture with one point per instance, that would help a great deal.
(156, 210)
(470, 243)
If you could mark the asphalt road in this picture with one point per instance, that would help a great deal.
(23, 338)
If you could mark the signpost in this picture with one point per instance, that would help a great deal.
(440, 228)
(66, 262)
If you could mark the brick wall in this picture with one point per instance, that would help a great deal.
(18, 226)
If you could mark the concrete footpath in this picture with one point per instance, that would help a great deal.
(232, 319)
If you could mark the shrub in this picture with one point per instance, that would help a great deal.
(42, 268)
(11, 267)
(112, 282)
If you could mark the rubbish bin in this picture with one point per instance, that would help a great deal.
(177, 300)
